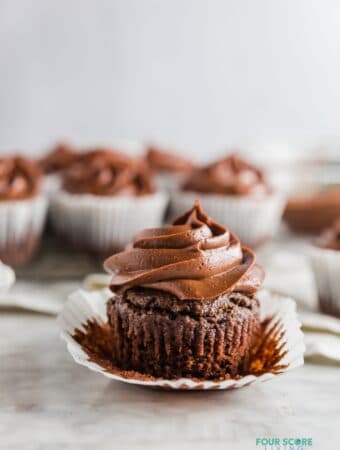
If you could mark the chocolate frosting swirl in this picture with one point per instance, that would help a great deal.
(330, 237)
(58, 159)
(20, 178)
(106, 173)
(229, 176)
(165, 161)
(194, 259)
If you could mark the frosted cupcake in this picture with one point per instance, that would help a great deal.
(311, 212)
(60, 158)
(185, 301)
(105, 198)
(22, 209)
(169, 168)
(325, 260)
(235, 193)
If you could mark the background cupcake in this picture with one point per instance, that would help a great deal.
(22, 209)
(60, 158)
(312, 212)
(169, 168)
(185, 301)
(325, 260)
(235, 193)
(105, 198)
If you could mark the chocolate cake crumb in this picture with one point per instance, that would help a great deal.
(266, 355)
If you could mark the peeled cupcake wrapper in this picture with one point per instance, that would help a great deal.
(326, 267)
(253, 219)
(101, 223)
(83, 306)
(20, 221)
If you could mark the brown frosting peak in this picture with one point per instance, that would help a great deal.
(106, 173)
(59, 158)
(330, 237)
(229, 176)
(165, 161)
(194, 259)
(20, 178)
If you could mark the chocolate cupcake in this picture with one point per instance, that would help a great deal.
(106, 196)
(184, 301)
(312, 212)
(22, 209)
(325, 261)
(169, 168)
(60, 158)
(232, 191)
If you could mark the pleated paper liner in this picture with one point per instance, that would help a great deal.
(104, 224)
(280, 348)
(235, 212)
(326, 267)
(21, 226)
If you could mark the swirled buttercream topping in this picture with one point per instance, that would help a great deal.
(59, 158)
(20, 178)
(229, 176)
(194, 259)
(330, 237)
(107, 173)
(161, 160)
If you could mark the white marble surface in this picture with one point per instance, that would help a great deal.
(48, 402)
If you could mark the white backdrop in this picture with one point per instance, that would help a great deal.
(200, 74)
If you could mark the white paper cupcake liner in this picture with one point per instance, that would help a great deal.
(20, 220)
(326, 267)
(102, 223)
(51, 184)
(253, 219)
(168, 181)
(83, 306)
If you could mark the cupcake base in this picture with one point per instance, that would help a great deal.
(83, 247)
(156, 334)
(21, 252)
(84, 326)
(325, 264)
(21, 226)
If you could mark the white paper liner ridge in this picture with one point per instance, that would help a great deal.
(326, 267)
(101, 222)
(22, 218)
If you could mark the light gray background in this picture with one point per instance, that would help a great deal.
(203, 75)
